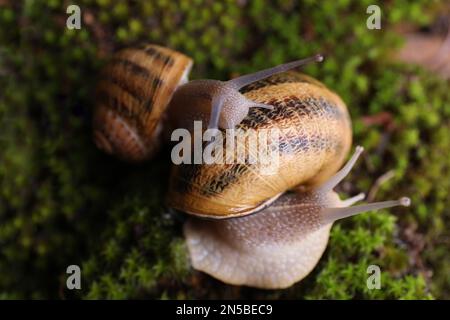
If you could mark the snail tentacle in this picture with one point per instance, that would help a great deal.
(341, 174)
(340, 209)
(332, 214)
(261, 105)
(216, 108)
(229, 91)
(351, 201)
(247, 79)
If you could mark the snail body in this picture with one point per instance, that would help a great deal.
(265, 230)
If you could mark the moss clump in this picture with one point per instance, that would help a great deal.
(62, 202)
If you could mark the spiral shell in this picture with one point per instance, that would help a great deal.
(135, 89)
(316, 137)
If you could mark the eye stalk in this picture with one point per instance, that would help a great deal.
(228, 92)
(343, 208)
(247, 79)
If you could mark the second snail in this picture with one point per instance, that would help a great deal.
(245, 227)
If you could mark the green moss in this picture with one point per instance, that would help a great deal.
(62, 202)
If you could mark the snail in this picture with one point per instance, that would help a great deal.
(245, 226)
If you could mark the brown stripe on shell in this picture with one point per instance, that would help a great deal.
(156, 52)
(118, 135)
(135, 80)
(115, 104)
(118, 99)
(133, 67)
(120, 107)
(291, 106)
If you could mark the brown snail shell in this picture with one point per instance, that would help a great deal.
(317, 139)
(132, 95)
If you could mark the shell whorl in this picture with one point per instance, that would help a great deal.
(315, 141)
(134, 90)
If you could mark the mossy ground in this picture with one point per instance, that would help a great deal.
(63, 202)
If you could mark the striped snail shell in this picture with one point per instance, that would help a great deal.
(133, 93)
(315, 137)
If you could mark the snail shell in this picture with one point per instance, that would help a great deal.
(316, 137)
(132, 95)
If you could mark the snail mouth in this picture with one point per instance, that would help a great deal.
(243, 213)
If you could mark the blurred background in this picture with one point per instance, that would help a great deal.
(63, 202)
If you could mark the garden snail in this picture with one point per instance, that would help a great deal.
(262, 230)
